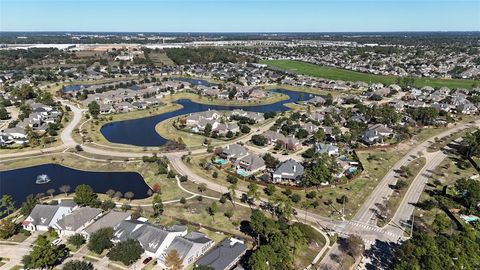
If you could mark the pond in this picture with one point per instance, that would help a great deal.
(141, 132)
(195, 81)
(73, 88)
(20, 183)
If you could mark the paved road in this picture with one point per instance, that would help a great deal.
(364, 222)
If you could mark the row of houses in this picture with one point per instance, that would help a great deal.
(39, 119)
(68, 219)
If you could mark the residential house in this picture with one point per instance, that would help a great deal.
(233, 152)
(250, 164)
(153, 239)
(45, 216)
(328, 149)
(376, 134)
(189, 247)
(274, 137)
(289, 170)
(111, 219)
(77, 220)
(225, 255)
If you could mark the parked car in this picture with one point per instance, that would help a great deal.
(147, 260)
(56, 241)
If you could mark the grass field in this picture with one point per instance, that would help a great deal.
(348, 75)
(161, 59)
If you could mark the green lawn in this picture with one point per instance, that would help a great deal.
(348, 75)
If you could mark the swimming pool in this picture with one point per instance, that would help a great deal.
(220, 161)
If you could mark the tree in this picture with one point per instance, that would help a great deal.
(259, 140)
(76, 240)
(228, 214)
(157, 205)
(270, 161)
(7, 228)
(353, 245)
(4, 113)
(129, 195)
(78, 265)
(441, 223)
(110, 193)
(253, 192)
(28, 205)
(270, 189)
(173, 261)
(43, 254)
(7, 205)
(101, 240)
(469, 190)
(107, 205)
(207, 130)
(84, 195)
(317, 172)
(232, 192)
(212, 210)
(127, 252)
(245, 129)
(50, 192)
(202, 187)
(94, 109)
(65, 189)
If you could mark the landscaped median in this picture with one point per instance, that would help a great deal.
(407, 175)
(332, 73)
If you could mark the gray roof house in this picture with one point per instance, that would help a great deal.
(44, 216)
(376, 133)
(189, 247)
(328, 149)
(250, 164)
(233, 152)
(77, 220)
(289, 170)
(225, 255)
(111, 219)
(153, 239)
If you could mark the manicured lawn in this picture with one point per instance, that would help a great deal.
(191, 140)
(196, 211)
(348, 75)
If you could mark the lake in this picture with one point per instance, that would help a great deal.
(141, 132)
(19, 183)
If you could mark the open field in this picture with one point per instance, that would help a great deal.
(348, 75)
(160, 59)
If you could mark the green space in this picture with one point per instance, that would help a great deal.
(407, 175)
(348, 75)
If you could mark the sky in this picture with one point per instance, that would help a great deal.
(240, 15)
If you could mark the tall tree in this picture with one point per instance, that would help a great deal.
(84, 195)
(173, 261)
(157, 205)
(7, 205)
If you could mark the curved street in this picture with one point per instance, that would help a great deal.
(363, 223)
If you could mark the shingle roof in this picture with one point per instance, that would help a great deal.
(109, 220)
(223, 255)
(78, 218)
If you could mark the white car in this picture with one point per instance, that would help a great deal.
(56, 241)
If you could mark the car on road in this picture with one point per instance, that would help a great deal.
(147, 260)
